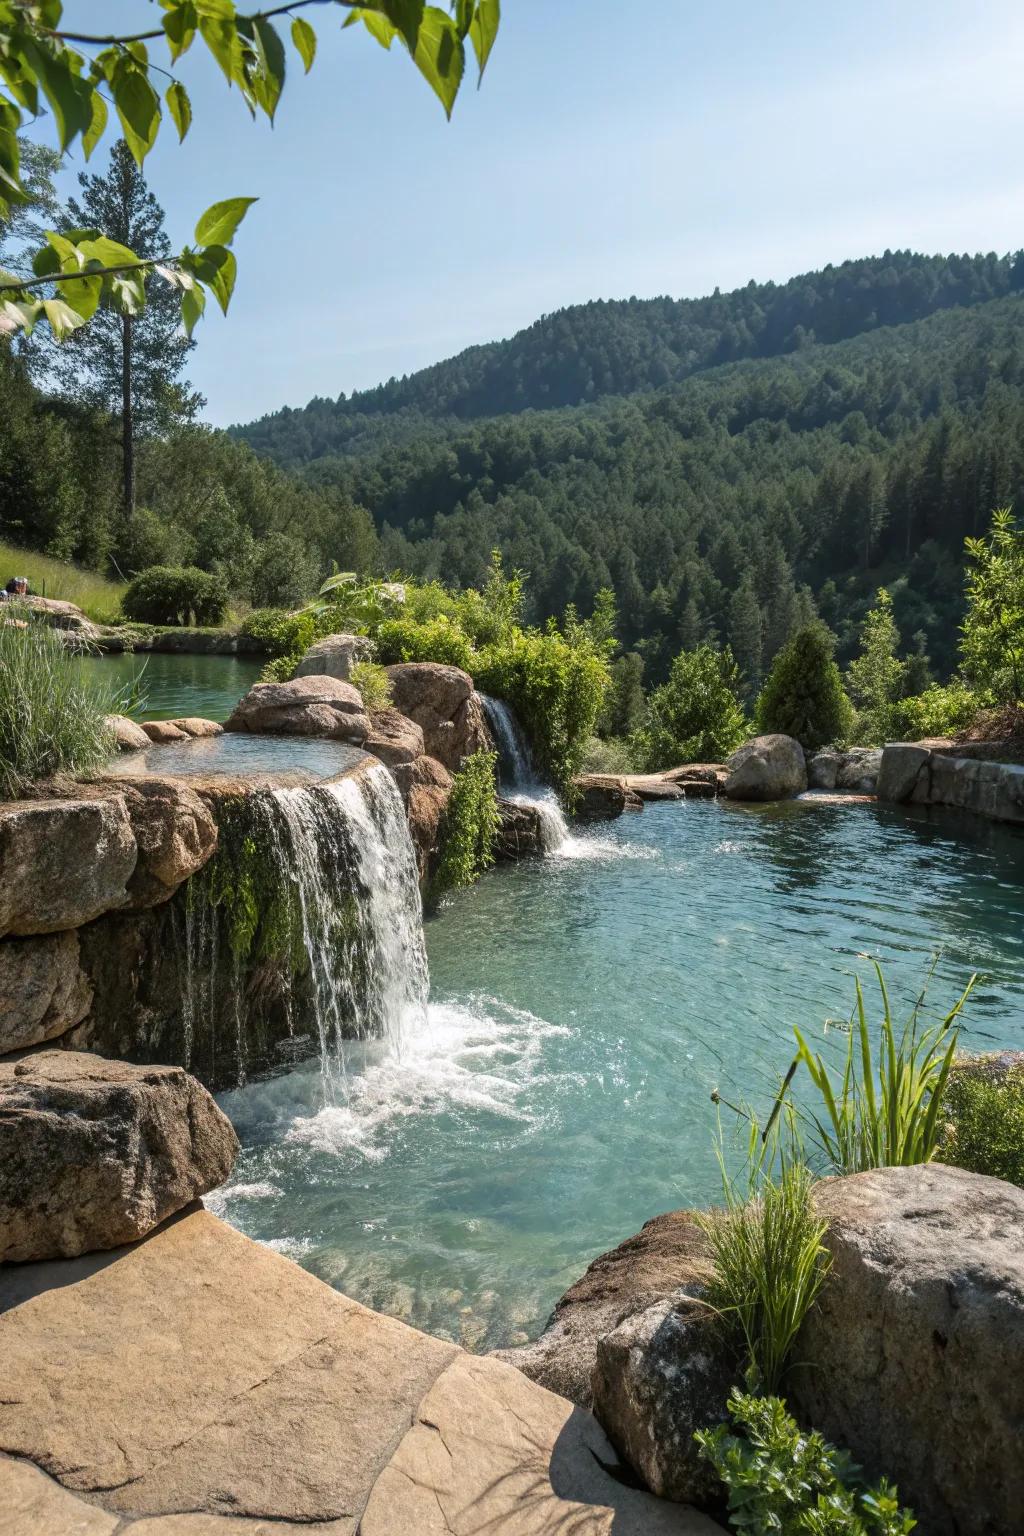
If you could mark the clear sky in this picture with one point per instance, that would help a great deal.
(617, 147)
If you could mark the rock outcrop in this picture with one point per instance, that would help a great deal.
(425, 786)
(63, 616)
(63, 862)
(767, 768)
(43, 990)
(162, 733)
(859, 769)
(394, 738)
(95, 1153)
(307, 706)
(931, 774)
(915, 1350)
(335, 656)
(599, 796)
(443, 704)
(200, 1382)
(175, 835)
(520, 832)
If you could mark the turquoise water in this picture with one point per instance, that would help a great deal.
(210, 686)
(584, 1008)
(238, 753)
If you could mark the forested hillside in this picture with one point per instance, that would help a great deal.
(738, 501)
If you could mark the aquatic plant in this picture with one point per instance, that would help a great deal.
(469, 828)
(52, 720)
(884, 1111)
(784, 1482)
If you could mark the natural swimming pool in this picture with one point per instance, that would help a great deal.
(583, 1008)
(175, 684)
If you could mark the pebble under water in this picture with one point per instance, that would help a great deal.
(583, 1007)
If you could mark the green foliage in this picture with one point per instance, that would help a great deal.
(166, 594)
(606, 754)
(696, 716)
(247, 890)
(98, 598)
(992, 649)
(469, 828)
(436, 640)
(373, 683)
(51, 719)
(783, 1482)
(40, 60)
(876, 676)
(884, 1113)
(984, 1119)
(938, 711)
(623, 711)
(803, 696)
(769, 1263)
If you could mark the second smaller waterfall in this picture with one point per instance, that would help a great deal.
(519, 780)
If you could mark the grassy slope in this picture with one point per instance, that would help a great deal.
(100, 598)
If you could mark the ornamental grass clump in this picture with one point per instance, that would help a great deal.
(51, 719)
(885, 1109)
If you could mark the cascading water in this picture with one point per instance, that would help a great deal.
(518, 777)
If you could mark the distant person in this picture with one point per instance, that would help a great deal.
(17, 587)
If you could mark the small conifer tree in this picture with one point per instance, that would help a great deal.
(803, 696)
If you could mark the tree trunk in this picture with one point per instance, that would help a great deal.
(127, 421)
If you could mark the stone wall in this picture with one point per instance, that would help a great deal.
(926, 773)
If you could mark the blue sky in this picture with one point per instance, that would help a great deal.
(617, 147)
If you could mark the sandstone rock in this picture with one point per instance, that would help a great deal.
(32, 1504)
(130, 737)
(520, 831)
(63, 862)
(916, 1349)
(899, 771)
(307, 706)
(767, 768)
(598, 796)
(196, 727)
(667, 1255)
(441, 701)
(335, 656)
(162, 732)
(425, 785)
(197, 1382)
(95, 1153)
(393, 738)
(175, 834)
(859, 769)
(823, 769)
(43, 990)
(665, 790)
(698, 789)
(661, 1375)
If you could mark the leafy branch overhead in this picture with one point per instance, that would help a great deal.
(79, 76)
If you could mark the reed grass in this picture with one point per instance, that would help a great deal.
(52, 718)
(99, 598)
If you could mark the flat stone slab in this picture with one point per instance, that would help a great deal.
(197, 1384)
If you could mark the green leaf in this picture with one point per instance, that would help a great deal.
(45, 261)
(483, 30)
(69, 96)
(272, 62)
(19, 314)
(439, 56)
(180, 26)
(127, 291)
(304, 39)
(106, 252)
(216, 266)
(179, 107)
(193, 302)
(63, 319)
(82, 294)
(221, 37)
(97, 126)
(138, 107)
(406, 16)
(378, 26)
(219, 223)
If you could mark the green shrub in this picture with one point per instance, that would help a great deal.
(373, 683)
(469, 828)
(696, 716)
(803, 695)
(608, 754)
(438, 639)
(875, 677)
(937, 711)
(783, 1482)
(894, 1121)
(51, 719)
(176, 594)
(769, 1262)
(283, 634)
(984, 1120)
(992, 650)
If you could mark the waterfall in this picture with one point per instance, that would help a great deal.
(332, 933)
(518, 777)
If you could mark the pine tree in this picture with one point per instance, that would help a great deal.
(804, 696)
(746, 633)
(129, 364)
(875, 677)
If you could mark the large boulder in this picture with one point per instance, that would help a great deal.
(767, 768)
(197, 726)
(859, 769)
(175, 834)
(162, 733)
(661, 1375)
(129, 736)
(394, 738)
(335, 656)
(43, 989)
(95, 1153)
(667, 1255)
(823, 768)
(425, 786)
(306, 706)
(63, 615)
(899, 771)
(63, 862)
(443, 704)
(520, 831)
(599, 796)
(915, 1351)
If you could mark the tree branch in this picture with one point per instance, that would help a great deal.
(74, 277)
(158, 32)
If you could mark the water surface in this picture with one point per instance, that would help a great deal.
(174, 685)
(238, 753)
(584, 1007)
